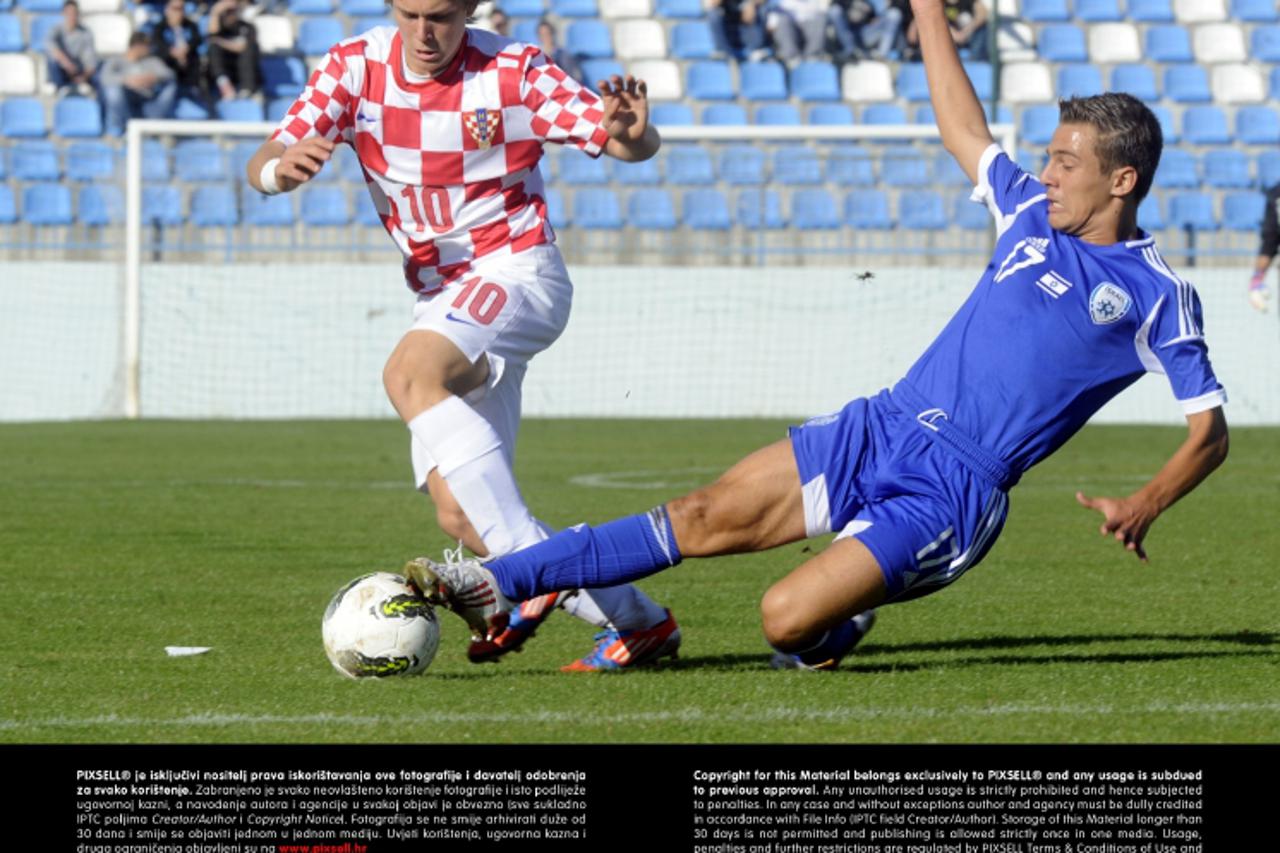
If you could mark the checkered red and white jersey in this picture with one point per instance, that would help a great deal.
(451, 162)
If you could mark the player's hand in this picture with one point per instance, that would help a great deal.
(302, 161)
(626, 108)
(1258, 291)
(1127, 519)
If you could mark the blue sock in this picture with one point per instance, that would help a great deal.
(614, 553)
(832, 646)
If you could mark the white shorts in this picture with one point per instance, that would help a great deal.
(507, 310)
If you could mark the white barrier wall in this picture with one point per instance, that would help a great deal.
(287, 341)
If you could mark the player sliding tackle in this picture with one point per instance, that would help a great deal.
(1076, 305)
(449, 123)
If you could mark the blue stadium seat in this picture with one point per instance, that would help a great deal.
(968, 215)
(926, 115)
(557, 212)
(762, 81)
(596, 209)
(200, 160)
(91, 161)
(814, 210)
(1177, 169)
(275, 211)
(1062, 43)
(1227, 168)
(98, 206)
(1137, 80)
(692, 40)
(1038, 124)
(652, 210)
(8, 207)
(23, 118)
(1205, 125)
(594, 70)
(239, 109)
(215, 206)
(1243, 211)
(1255, 11)
(679, 9)
(310, 7)
(884, 114)
(830, 114)
(277, 109)
(706, 210)
(851, 166)
(643, 173)
(364, 23)
(325, 206)
(40, 5)
(922, 210)
(39, 29)
(574, 8)
(1268, 167)
(1257, 126)
(155, 161)
(1264, 44)
(664, 114)
(1275, 83)
(796, 165)
(362, 8)
(188, 109)
(1187, 84)
(1041, 11)
(1164, 115)
(982, 78)
(724, 114)
(589, 39)
(47, 204)
(317, 35)
(577, 169)
(162, 204)
(903, 166)
(742, 165)
(525, 31)
(1149, 216)
(1192, 210)
(1151, 11)
(710, 80)
(34, 160)
(11, 40)
(947, 171)
(759, 209)
(1096, 11)
(524, 8)
(1079, 80)
(815, 81)
(868, 210)
(777, 115)
(282, 76)
(1169, 43)
(912, 83)
(689, 165)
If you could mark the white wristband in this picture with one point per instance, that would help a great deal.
(268, 177)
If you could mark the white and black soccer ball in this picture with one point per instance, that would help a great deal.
(378, 626)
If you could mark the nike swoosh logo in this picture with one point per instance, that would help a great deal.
(450, 316)
(363, 117)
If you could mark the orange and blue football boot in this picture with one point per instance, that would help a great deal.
(509, 631)
(620, 650)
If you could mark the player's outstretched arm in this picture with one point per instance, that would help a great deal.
(294, 165)
(626, 118)
(1128, 519)
(958, 112)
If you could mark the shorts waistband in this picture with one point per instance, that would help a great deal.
(952, 438)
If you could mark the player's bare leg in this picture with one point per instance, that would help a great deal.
(449, 515)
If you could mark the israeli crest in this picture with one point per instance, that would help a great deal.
(1108, 303)
(482, 124)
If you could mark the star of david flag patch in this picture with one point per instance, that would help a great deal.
(1108, 303)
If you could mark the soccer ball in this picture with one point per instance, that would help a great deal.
(377, 626)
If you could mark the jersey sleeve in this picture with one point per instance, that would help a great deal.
(324, 107)
(1004, 187)
(1271, 224)
(1175, 346)
(564, 111)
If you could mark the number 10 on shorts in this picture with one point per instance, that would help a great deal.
(484, 300)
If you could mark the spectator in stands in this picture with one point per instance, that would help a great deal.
(136, 85)
(499, 22)
(861, 29)
(556, 53)
(1267, 252)
(176, 40)
(71, 56)
(968, 22)
(233, 52)
(798, 29)
(737, 26)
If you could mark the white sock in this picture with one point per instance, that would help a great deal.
(624, 607)
(469, 456)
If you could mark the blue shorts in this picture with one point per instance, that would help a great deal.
(873, 472)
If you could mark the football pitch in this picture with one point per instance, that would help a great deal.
(118, 539)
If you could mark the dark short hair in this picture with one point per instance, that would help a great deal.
(71, 3)
(1128, 133)
(139, 37)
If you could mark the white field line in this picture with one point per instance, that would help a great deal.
(688, 715)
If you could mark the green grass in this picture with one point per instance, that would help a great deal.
(117, 539)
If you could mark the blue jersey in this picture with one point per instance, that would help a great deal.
(1057, 327)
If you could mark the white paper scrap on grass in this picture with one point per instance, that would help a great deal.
(185, 651)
